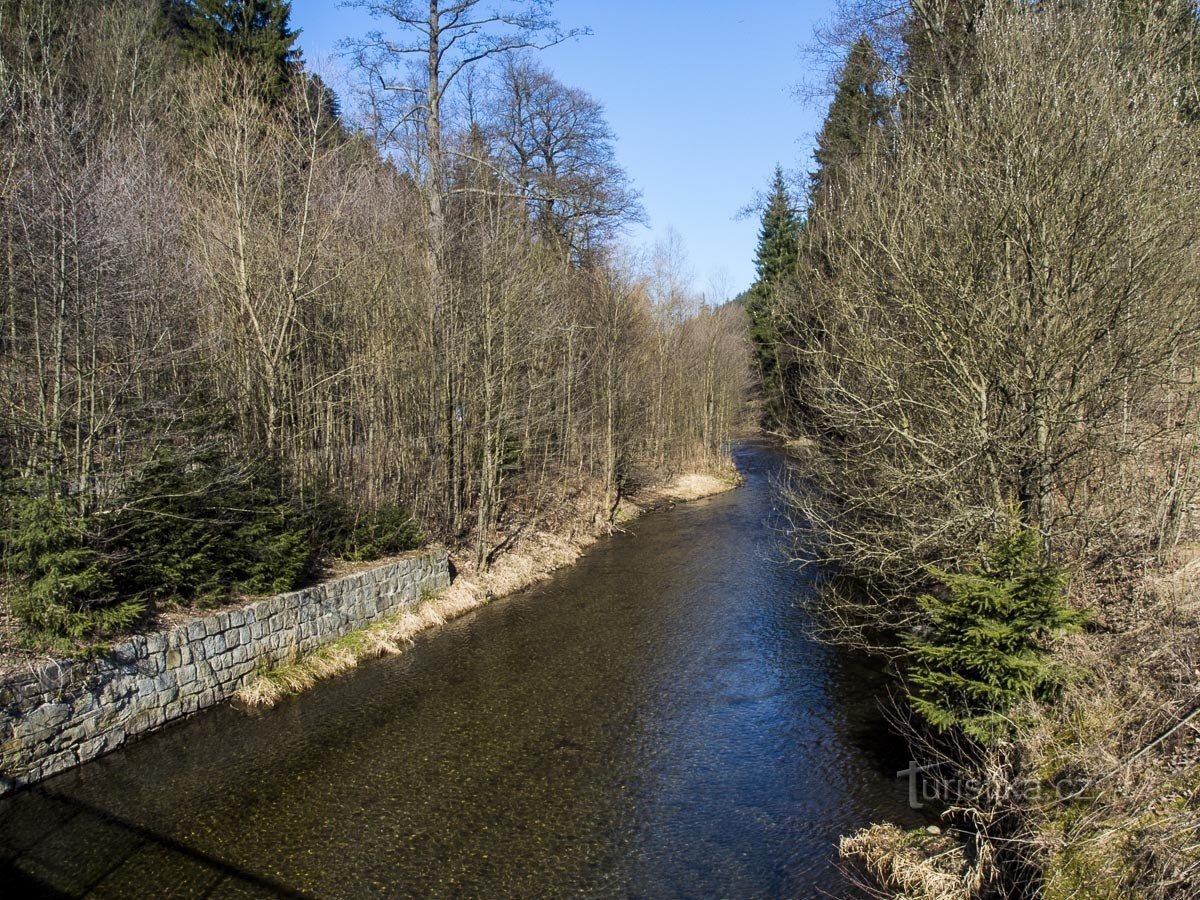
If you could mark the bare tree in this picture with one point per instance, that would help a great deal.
(985, 338)
(559, 154)
(410, 71)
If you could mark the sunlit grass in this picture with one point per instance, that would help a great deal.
(388, 637)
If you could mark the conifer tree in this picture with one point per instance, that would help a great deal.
(775, 260)
(984, 642)
(858, 111)
(255, 31)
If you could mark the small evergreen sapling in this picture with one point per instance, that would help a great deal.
(984, 643)
(59, 583)
(206, 526)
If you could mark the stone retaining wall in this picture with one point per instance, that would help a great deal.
(69, 712)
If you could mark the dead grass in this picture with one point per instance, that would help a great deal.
(1099, 792)
(696, 486)
(386, 638)
(1128, 733)
(912, 865)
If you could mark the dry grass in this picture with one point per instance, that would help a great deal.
(1128, 733)
(695, 486)
(681, 489)
(386, 638)
(911, 865)
(1098, 793)
(531, 559)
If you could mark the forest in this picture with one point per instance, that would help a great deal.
(249, 327)
(980, 318)
(253, 329)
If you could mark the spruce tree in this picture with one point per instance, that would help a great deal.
(858, 111)
(983, 645)
(59, 583)
(775, 261)
(778, 236)
(255, 31)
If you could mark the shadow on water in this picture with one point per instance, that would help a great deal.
(33, 867)
(653, 722)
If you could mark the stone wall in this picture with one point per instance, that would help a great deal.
(66, 713)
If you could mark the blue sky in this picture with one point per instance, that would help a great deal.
(700, 95)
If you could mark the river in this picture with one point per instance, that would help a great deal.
(653, 722)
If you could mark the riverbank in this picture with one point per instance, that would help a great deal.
(67, 712)
(1096, 795)
(59, 712)
(530, 558)
(653, 721)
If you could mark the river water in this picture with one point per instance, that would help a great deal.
(653, 722)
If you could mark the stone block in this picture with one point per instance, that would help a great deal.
(49, 715)
(156, 643)
(58, 762)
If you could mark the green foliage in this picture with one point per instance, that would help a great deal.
(777, 254)
(59, 583)
(983, 645)
(257, 32)
(361, 535)
(196, 526)
(858, 112)
(203, 527)
(779, 235)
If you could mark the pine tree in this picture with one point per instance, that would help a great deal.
(984, 642)
(857, 113)
(777, 254)
(255, 31)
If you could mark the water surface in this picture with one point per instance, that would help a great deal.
(653, 722)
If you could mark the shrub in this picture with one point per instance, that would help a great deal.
(985, 636)
(205, 526)
(364, 534)
(59, 583)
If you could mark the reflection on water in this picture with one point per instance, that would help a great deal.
(653, 722)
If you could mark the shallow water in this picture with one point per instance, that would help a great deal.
(652, 722)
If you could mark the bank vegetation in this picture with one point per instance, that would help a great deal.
(983, 312)
(248, 327)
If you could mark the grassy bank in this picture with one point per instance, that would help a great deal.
(1096, 795)
(530, 558)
